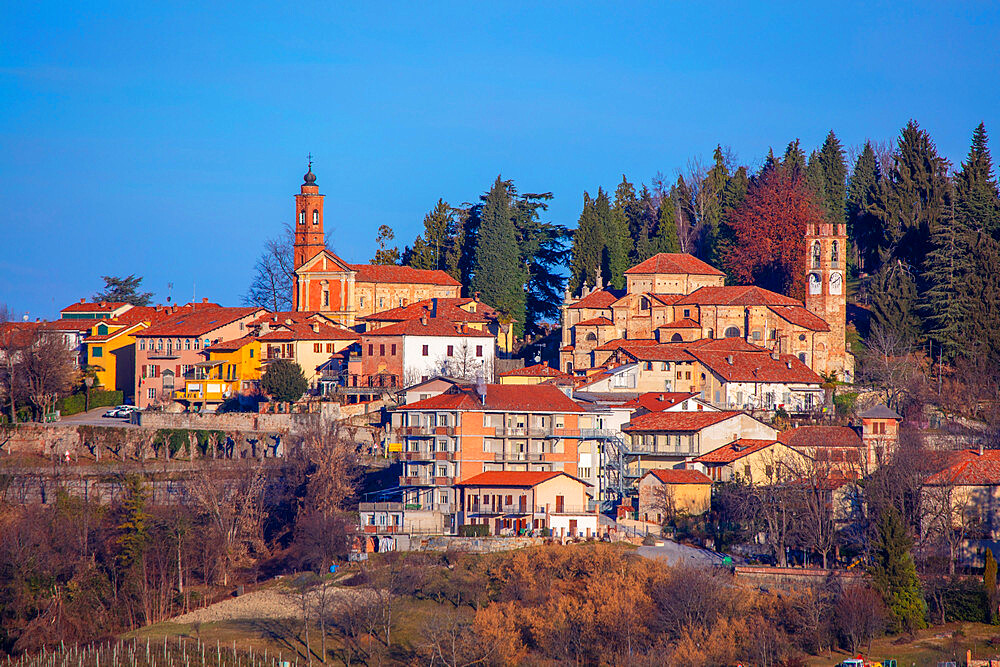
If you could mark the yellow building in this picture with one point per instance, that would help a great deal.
(232, 369)
(536, 374)
(309, 344)
(665, 492)
(754, 461)
(110, 350)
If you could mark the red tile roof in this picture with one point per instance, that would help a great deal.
(294, 316)
(659, 352)
(198, 321)
(655, 401)
(93, 307)
(617, 343)
(17, 334)
(726, 344)
(538, 370)
(449, 309)
(820, 436)
(436, 326)
(120, 330)
(515, 478)
(675, 262)
(756, 367)
(81, 325)
(596, 322)
(679, 476)
(304, 331)
(527, 398)
(685, 323)
(800, 316)
(230, 345)
(741, 295)
(678, 421)
(969, 468)
(391, 273)
(666, 299)
(599, 299)
(734, 451)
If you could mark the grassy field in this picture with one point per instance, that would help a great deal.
(938, 644)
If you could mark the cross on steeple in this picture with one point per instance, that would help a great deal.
(310, 158)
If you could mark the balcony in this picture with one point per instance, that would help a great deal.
(425, 455)
(426, 481)
(516, 508)
(164, 354)
(182, 395)
(518, 456)
(426, 430)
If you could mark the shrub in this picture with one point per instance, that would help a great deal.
(844, 403)
(99, 398)
(284, 381)
(473, 530)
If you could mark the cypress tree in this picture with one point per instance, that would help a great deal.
(614, 231)
(895, 576)
(588, 244)
(834, 168)
(499, 273)
(990, 585)
(863, 226)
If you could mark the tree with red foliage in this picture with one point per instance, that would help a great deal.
(769, 228)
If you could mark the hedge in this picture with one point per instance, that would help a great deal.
(473, 530)
(99, 398)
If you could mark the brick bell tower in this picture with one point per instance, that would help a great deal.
(308, 219)
(826, 295)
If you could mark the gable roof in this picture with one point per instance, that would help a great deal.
(527, 398)
(94, 306)
(674, 262)
(435, 326)
(756, 367)
(739, 295)
(800, 316)
(679, 476)
(678, 421)
(198, 321)
(617, 343)
(599, 299)
(880, 411)
(304, 331)
(820, 436)
(446, 308)
(537, 370)
(596, 322)
(655, 401)
(515, 478)
(230, 345)
(969, 468)
(119, 330)
(683, 323)
(391, 273)
(658, 352)
(324, 261)
(735, 450)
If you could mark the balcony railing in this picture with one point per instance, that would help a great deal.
(425, 455)
(164, 354)
(182, 395)
(518, 456)
(426, 481)
(516, 508)
(426, 430)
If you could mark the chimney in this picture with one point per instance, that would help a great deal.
(788, 365)
(980, 448)
(103, 304)
(83, 301)
(423, 317)
(774, 355)
(288, 320)
(204, 299)
(315, 327)
(729, 359)
(475, 297)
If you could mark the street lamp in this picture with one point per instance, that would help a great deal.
(89, 382)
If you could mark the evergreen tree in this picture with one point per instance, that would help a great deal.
(831, 159)
(863, 226)
(794, 160)
(133, 534)
(770, 163)
(588, 246)
(946, 273)
(614, 231)
(911, 200)
(990, 585)
(894, 301)
(499, 274)
(123, 290)
(815, 180)
(430, 250)
(284, 381)
(733, 197)
(895, 576)
(713, 190)
(666, 239)
(543, 252)
(982, 288)
(977, 198)
(627, 210)
(383, 253)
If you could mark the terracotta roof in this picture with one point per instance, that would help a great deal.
(81, 325)
(820, 436)
(800, 316)
(685, 323)
(678, 421)
(304, 331)
(617, 343)
(294, 316)
(538, 370)
(17, 334)
(93, 307)
(436, 326)
(230, 345)
(679, 476)
(599, 299)
(655, 401)
(391, 273)
(675, 262)
(734, 451)
(659, 352)
(198, 321)
(119, 330)
(880, 411)
(666, 299)
(449, 309)
(527, 398)
(567, 348)
(515, 478)
(742, 295)
(756, 367)
(969, 468)
(596, 322)
(726, 344)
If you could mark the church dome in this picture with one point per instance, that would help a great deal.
(310, 177)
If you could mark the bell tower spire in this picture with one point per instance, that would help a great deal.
(309, 240)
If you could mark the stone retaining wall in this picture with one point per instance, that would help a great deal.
(242, 421)
(788, 578)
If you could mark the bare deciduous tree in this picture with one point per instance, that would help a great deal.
(49, 371)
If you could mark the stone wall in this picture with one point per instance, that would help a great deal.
(473, 544)
(243, 421)
(39, 440)
(791, 578)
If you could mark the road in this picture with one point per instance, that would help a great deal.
(673, 553)
(92, 418)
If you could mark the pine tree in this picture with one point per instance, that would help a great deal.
(431, 249)
(894, 301)
(977, 198)
(666, 239)
(383, 253)
(895, 576)
(794, 160)
(713, 190)
(543, 252)
(831, 158)
(990, 585)
(588, 245)
(946, 272)
(982, 288)
(499, 274)
(815, 179)
(644, 237)
(123, 290)
(863, 226)
(614, 257)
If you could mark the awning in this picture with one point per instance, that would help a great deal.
(208, 364)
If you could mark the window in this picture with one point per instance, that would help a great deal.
(142, 344)
(393, 352)
(732, 332)
(687, 375)
(197, 343)
(251, 353)
(676, 338)
(361, 301)
(315, 217)
(187, 343)
(649, 365)
(371, 350)
(592, 337)
(816, 253)
(329, 348)
(317, 347)
(98, 351)
(479, 350)
(159, 344)
(834, 254)
(451, 350)
(665, 366)
(425, 351)
(757, 335)
(802, 357)
(381, 302)
(326, 297)
(207, 342)
(151, 393)
(302, 217)
(687, 312)
(381, 350)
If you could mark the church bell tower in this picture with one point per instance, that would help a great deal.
(826, 293)
(308, 220)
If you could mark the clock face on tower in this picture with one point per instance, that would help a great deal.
(836, 283)
(815, 285)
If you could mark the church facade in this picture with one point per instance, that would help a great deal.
(325, 283)
(675, 297)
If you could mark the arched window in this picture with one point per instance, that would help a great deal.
(834, 254)
(302, 217)
(816, 253)
(732, 332)
(643, 303)
(315, 217)
(592, 337)
(711, 333)
(676, 338)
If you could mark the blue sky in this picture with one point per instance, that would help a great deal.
(167, 139)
